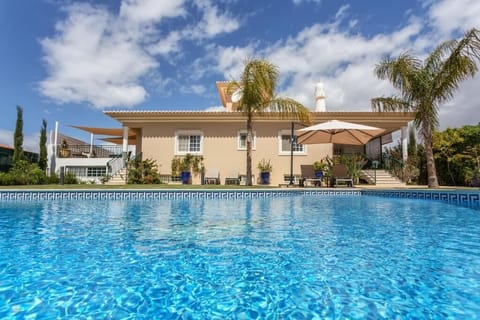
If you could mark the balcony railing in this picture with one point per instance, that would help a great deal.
(83, 151)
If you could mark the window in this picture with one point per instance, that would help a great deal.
(96, 171)
(242, 140)
(285, 144)
(188, 142)
(77, 171)
(87, 171)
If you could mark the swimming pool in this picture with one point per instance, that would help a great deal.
(277, 258)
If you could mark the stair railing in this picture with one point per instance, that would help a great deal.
(371, 164)
(394, 166)
(114, 165)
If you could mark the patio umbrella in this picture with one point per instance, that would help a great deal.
(339, 132)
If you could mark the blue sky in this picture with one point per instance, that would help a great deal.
(67, 61)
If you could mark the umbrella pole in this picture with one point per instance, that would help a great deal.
(291, 156)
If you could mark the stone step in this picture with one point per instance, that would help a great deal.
(381, 178)
(118, 178)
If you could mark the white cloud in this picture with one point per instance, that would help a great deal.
(101, 58)
(344, 61)
(6, 137)
(30, 142)
(230, 60)
(167, 45)
(148, 11)
(448, 16)
(213, 22)
(90, 61)
(297, 2)
(215, 109)
(196, 89)
(104, 58)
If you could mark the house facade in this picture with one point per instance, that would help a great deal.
(220, 138)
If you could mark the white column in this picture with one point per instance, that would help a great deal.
(55, 146)
(405, 144)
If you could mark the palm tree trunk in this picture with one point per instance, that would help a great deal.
(249, 149)
(431, 170)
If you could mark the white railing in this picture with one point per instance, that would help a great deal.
(115, 165)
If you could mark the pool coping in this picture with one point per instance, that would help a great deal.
(455, 196)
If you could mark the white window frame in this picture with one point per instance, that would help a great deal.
(188, 133)
(285, 153)
(254, 142)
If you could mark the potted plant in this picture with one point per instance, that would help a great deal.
(265, 167)
(64, 151)
(186, 165)
(319, 168)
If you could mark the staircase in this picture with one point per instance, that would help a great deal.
(118, 178)
(384, 179)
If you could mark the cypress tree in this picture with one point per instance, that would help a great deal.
(42, 156)
(18, 154)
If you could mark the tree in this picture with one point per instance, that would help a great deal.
(256, 89)
(457, 154)
(18, 138)
(446, 145)
(42, 157)
(424, 86)
(412, 143)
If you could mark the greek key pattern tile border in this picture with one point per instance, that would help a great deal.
(467, 198)
(164, 194)
(470, 198)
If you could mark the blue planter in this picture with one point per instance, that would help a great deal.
(319, 174)
(265, 177)
(185, 176)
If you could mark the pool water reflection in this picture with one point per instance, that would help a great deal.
(284, 258)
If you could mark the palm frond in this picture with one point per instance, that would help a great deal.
(399, 71)
(426, 114)
(390, 104)
(434, 61)
(287, 108)
(258, 81)
(458, 66)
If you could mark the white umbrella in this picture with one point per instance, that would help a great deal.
(339, 132)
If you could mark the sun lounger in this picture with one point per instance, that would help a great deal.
(340, 174)
(232, 178)
(309, 177)
(212, 176)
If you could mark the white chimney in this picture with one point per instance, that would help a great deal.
(320, 98)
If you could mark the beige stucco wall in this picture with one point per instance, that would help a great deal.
(220, 147)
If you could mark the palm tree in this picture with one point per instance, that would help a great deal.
(256, 89)
(424, 86)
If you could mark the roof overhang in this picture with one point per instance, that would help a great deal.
(390, 121)
(119, 140)
(105, 131)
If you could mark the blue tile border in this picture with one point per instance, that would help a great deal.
(461, 197)
(162, 194)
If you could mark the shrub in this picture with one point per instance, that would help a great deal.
(143, 172)
(70, 178)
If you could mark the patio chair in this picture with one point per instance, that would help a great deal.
(309, 177)
(212, 176)
(340, 174)
(232, 178)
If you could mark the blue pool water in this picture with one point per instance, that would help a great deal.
(298, 257)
